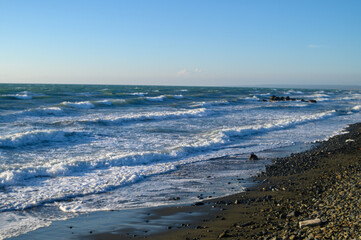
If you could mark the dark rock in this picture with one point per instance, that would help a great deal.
(253, 156)
(175, 198)
(293, 214)
(274, 98)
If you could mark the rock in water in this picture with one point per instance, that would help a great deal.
(253, 156)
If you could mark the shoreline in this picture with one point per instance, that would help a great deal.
(302, 186)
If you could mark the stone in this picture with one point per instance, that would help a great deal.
(223, 234)
(253, 156)
(308, 223)
(293, 214)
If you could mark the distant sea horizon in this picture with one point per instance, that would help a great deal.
(287, 85)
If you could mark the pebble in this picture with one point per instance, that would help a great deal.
(307, 223)
(327, 208)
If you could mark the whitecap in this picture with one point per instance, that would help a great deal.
(139, 94)
(210, 104)
(156, 99)
(33, 137)
(14, 224)
(177, 96)
(46, 111)
(80, 105)
(254, 98)
(105, 102)
(357, 108)
(201, 112)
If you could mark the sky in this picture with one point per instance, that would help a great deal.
(181, 42)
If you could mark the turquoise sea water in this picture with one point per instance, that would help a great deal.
(71, 149)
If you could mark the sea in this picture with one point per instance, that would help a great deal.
(68, 150)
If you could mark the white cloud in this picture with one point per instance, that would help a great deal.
(185, 72)
(182, 72)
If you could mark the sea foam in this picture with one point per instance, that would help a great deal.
(81, 105)
(33, 137)
(201, 112)
(156, 99)
(274, 126)
(357, 108)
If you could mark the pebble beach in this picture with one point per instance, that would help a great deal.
(309, 195)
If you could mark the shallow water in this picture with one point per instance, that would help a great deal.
(73, 149)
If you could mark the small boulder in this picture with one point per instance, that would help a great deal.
(253, 156)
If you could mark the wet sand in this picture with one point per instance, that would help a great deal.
(322, 184)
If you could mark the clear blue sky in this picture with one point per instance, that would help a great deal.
(181, 42)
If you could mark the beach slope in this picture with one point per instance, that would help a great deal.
(322, 185)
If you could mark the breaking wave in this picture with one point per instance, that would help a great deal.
(33, 137)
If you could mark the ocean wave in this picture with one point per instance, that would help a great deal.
(156, 99)
(76, 166)
(180, 96)
(25, 95)
(80, 105)
(139, 94)
(209, 104)
(161, 98)
(79, 177)
(22, 96)
(275, 126)
(357, 108)
(253, 98)
(202, 142)
(33, 137)
(45, 111)
(93, 104)
(201, 112)
(109, 102)
(105, 102)
(321, 99)
(34, 112)
(264, 94)
(320, 95)
(352, 97)
(14, 224)
(293, 92)
(288, 104)
(221, 137)
(79, 180)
